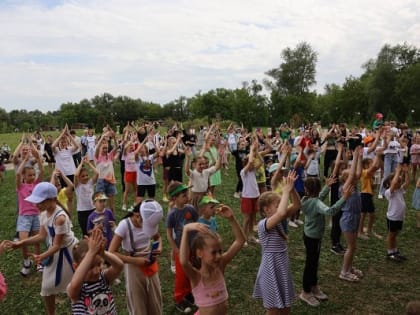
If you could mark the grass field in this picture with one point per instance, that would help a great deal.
(385, 289)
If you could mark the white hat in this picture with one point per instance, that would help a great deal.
(41, 192)
(151, 213)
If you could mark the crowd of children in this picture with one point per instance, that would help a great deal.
(279, 174)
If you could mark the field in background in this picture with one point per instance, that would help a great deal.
(385, 289)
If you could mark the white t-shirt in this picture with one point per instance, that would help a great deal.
(64, 160)
(396, 204)
(140, 239)
(145, 172)
(200, 181)
(250, 185)
(84, 193)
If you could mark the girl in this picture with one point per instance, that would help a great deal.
(213, 155)
(314, 210)
(57, 259)
(130, 171)
(349, 221)
(28, 219)
(416, 201)
(274, 282)
(206, 272)
(395, 185)
(89, 289)
(146, 181)
(250, 193)
(141, 276)
(65, 194)
(200, 175)
(415, 155)
(104, 164)
(174, 158)
(84, 188)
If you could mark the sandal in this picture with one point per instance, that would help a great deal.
(356, 272)
(348, 276)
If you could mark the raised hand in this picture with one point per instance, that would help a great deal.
(224, 211)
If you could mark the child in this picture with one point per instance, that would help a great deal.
(28, 219)
(394, 193)
(65, 193)
(250, 193)
(134, 234)
(104, 164)
(84, 188)
(314, 210)
(416, 202)
(369, 169)
(200, 175)
(89, 289)
(274, 282)
(207, 209)
(180, 215)
(101, 217)
(130, 171)
(349, 221)
(206, 273)
(415, 155)
(3, 286)
(57, 259)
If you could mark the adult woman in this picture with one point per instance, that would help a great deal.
(133, 234)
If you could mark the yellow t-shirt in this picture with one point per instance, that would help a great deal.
(367, 182)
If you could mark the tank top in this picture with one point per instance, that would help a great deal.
(210, 296)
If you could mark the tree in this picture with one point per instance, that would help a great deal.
(297, 73)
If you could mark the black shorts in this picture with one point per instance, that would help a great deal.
(151, 191)
(394, 226)
(367, 203)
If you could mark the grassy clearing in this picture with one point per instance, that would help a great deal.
(386, 288)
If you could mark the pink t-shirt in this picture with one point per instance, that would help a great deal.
(415, 153)
(105, 167)
(130, 162)
(26, 207)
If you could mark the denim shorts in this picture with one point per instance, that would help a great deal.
(106, 187)
(28, 223)
(349, 222)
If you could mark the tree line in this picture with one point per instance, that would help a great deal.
(389, 84)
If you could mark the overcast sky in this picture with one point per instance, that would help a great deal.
(53, 52)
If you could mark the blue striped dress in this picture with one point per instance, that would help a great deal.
(274, 283)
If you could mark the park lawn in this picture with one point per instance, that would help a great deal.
(386, 288)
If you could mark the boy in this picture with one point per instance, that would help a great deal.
(180, 214)
(207, 208)
(101, 217)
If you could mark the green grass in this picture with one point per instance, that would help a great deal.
(386, 288)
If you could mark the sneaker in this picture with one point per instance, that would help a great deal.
(309, 298)
(236, 195)
(300, 222)
(253, 240)
(245, 244)
(293, 224)
(39, 268)
(395, 257)
(183, 307)
(380, 196)
(336, 250)
(321, 296)
(342, 249)
(124, 207)
(356, 272)
(16, 237)
(379, 237)
(401, 256)
(165, 199)
(26, 269)
(117, 281)
(363, 236)
(173, 267)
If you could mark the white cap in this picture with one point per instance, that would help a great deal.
(151, 213)
(41, 192)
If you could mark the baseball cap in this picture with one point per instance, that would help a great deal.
(176, 187)
(41, 192)
(99, 196)
(368, 139)
(273, 167)
(206, 200)
(151, 213)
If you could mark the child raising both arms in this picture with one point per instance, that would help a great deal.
(395, 187)
(89, 289)
(206, 272)
(274, 283)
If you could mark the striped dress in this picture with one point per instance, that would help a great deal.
(274, 284)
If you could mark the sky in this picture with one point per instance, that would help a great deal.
(53, 52)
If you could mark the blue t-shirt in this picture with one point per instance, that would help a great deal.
(177, 218)
(210, 223)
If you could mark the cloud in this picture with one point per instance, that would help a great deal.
(59, 51)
